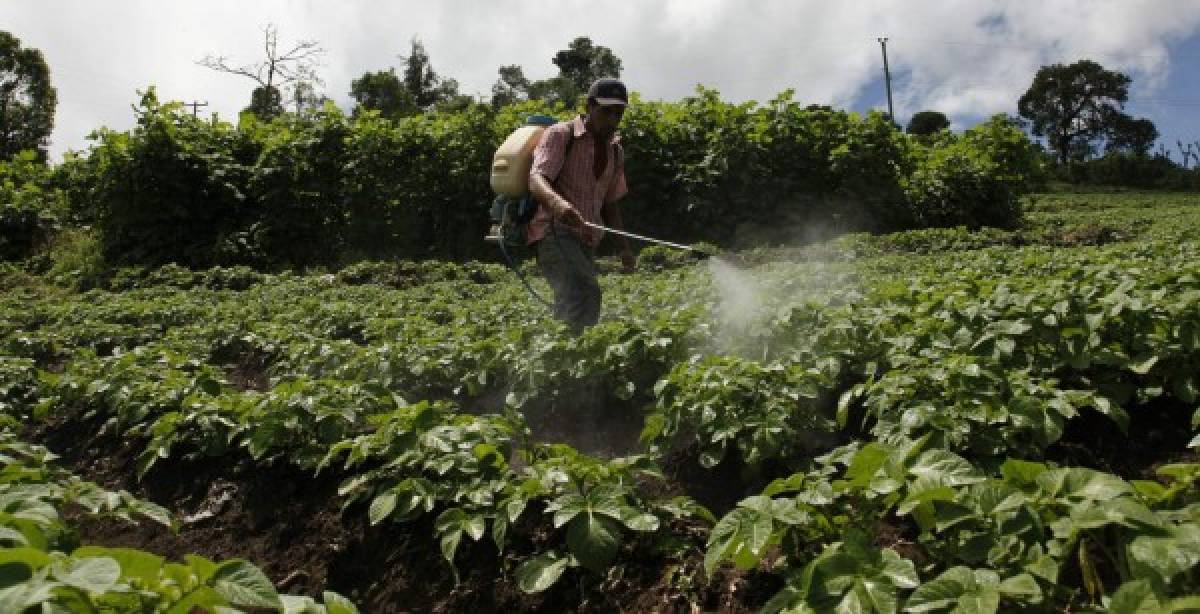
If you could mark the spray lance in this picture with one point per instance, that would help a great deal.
(699, 254)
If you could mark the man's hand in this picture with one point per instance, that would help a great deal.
(628, 262)
(566, 215)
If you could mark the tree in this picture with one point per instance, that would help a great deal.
(266, 102)
(1071, 105)
(1135, 136)
(925, 123)
(427, 89)
(27, 99)
(581, 63)
(384, 92)
(306, 98)
(512, 86)
(293, 67)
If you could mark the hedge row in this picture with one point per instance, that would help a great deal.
(30, 206)
(325, 188)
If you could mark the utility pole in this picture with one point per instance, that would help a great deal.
(195, 105)
(887, 78)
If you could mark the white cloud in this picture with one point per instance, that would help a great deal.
(968, 59)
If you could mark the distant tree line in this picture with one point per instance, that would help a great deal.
(298, 182)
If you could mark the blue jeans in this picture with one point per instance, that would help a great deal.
(570, 268)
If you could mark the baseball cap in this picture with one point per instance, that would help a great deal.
(608, 92)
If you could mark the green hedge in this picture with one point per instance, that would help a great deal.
(1121, 169)
(325, 189)
(31, 206)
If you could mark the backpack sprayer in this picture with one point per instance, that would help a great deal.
(514, 207)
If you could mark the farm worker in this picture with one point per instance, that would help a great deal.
(578, 175)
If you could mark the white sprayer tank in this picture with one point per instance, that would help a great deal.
(514, 158)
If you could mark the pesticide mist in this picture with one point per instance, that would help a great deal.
(740, 304)
(748, 301)
(740, 299)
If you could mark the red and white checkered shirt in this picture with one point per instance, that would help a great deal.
(575, 178)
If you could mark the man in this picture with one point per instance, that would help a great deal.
(578, 175)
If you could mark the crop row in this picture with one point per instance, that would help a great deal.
(986, 357)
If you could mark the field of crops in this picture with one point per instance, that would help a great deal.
(932, 421)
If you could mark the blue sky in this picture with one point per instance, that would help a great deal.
(968, 59)
(1175, 109)
(1173, 104)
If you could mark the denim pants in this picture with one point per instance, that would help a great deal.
(570, 268)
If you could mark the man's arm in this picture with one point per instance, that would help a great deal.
(559, 207)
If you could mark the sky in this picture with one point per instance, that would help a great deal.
(966, 58)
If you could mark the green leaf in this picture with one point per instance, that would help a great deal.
(449, 543)
(381, 507)
(32, 558)
(1187, 605)
(639, 521)
(865, 463)
(1044, 567)
(1143, 365)
(1166, 555)
(1010, 327)
(1123, 511)
(968, 591)
(946, 467)
(293, 604)
(899, 570)
(1136, 597)
(541, 572)
(1149, 490)
(337, 604)
(1180, 471)
(202, 599)
(722, 540)
(94, 575)
(855, 601)
(568, 507)
(1085, 484)
(134, 563)
(924, 491)
(1021, 587)
(1021, 473)
(475, 526)
(244, 585)
(654, 426)
(593, 539)
(201, 566)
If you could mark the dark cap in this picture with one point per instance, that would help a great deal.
(608, 92)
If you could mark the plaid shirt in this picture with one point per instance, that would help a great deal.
(575, 178)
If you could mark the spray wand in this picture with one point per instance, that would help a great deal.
(697, 253)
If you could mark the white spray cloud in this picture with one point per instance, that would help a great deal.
(966, 59)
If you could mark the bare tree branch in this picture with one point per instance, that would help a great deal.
(221, 64)
(298, 63)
